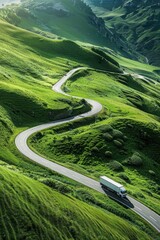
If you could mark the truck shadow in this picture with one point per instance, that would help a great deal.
(123, 201)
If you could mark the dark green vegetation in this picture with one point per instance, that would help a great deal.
(136, 22)
(122, 142)
(30, 210)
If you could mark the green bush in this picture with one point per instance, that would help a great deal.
(95, 149)
(135, 160)
(108, 154)
(107, 137)
(106, 128)
(39, 135)
(116, 166)
(118, 143)
(117, 134)
(151, 172)
(124, 177)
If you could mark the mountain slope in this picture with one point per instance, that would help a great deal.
(71, 19)
(122, 142)
(29, 65)
(135, 21)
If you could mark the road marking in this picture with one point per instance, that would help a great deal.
(138, 208)
(153, 218)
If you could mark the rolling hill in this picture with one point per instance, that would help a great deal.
(29, 65)
(71, 19)
(35, 202)
(122, 142)
(136, 22)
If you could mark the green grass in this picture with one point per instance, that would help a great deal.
(127, 127)
(30, 210)
(29, 65)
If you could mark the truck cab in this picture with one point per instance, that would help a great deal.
(123, 192)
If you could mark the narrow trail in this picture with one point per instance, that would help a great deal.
(21, 144)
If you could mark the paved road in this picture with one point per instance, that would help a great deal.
(21, 143)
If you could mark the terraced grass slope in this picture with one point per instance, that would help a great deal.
(30, 210)
(123, 142)
(135, 21)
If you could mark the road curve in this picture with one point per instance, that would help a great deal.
(21, 144)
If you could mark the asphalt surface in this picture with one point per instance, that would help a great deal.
(21, 143)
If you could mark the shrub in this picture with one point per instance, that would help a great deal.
(129, 125)
(39, 135)
(124, 177)
(123, 152)
(117, 134)
(151, 172)
(118, 143)
(106, 128)
(135, 160)
(107, 136)
(69, 138)
(108, 154)
(95, 149)
(116, 166)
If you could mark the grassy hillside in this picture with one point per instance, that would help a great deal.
(62, 18)
(123, 142)
(67, 19)
(29, 65)
(30, 210)
(136, 21)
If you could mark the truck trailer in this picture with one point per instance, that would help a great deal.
(113, 186)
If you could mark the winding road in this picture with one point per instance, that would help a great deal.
(21, 143)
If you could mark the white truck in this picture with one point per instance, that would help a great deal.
(113, 186)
